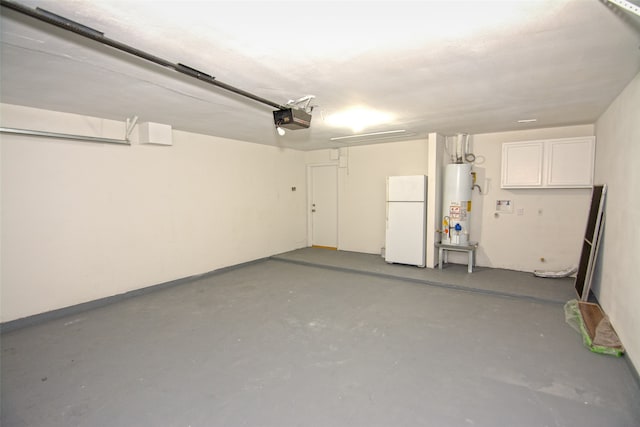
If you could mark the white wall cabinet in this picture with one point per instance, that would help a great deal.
(522, 164)
(553, 163)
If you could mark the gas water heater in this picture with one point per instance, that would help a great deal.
(456, 204)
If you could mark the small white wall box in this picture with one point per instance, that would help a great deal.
(155, 133)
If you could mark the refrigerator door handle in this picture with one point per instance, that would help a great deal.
(386, 216)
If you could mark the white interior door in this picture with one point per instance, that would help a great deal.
(324, 206)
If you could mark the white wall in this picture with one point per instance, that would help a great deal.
(519, 242)
(362, 188)
(82, 221)
(509, 241)
(617, 277)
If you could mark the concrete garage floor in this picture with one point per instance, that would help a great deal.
(283, 342)
(484, 280)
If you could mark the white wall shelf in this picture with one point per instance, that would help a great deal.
(552, 163)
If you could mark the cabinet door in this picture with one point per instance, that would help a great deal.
(522, 164)
(570, 162)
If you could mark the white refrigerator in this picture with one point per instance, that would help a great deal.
(406, 220)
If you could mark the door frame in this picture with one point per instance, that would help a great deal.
(310, 167)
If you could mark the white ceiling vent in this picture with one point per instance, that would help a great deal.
(155, 133)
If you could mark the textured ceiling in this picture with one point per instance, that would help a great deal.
(434, 66)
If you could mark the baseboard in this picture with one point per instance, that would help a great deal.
(632, 369)
(35, 319)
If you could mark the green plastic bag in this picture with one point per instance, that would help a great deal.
(605, 341)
